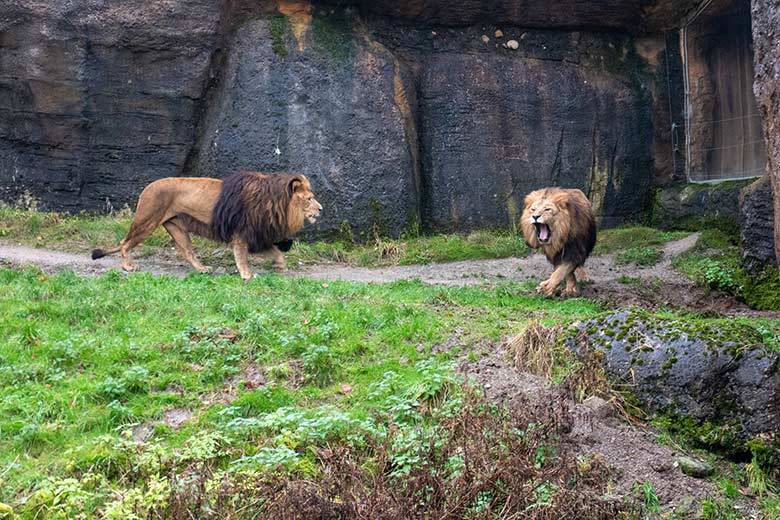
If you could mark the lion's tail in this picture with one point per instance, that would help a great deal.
(100, 253)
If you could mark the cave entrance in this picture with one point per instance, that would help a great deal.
(723, 139)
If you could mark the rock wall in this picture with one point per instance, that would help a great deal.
(402, 113)
(98, 98)
(756, 226)
(497, 123)
(766, 33)
(693, 206)
(324, 99)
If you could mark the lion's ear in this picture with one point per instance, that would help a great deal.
(294, 185)
(562, 202)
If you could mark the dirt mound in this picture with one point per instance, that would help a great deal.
(596, 432)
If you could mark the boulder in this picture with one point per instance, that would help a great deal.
(694, 206)
(756, 226)
(721, 376)
(319, 98)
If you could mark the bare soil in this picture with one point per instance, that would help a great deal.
(631, 450)
(657, 286)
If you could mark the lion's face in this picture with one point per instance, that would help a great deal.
(303, 199)
(542, 213)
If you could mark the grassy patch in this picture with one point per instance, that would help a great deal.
(644, 255)
(714, 263)
(87, 361)
(620, 239)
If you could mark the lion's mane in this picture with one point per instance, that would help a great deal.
(573, 229)
(258, 208)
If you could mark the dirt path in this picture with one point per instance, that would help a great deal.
(653, 287)
(601, 269)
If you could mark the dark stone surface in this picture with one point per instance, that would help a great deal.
(694, 206)
(766, 34)
(496, 124)
(99, 98)
(756, 217)
(337, 111)
(721, 374)
(628, 15)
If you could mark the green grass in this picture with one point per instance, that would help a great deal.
(643, 255)
(85, 360)
(625, 238)
(714, 263)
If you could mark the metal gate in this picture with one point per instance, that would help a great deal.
(723, 138)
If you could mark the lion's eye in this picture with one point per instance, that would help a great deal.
(548, 209)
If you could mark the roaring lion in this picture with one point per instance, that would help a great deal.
(561, 223)
(252, 212)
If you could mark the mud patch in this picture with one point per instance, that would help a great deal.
(251, 377)
(176, 417)
(594, 433)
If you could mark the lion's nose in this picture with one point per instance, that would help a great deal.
(536, 217)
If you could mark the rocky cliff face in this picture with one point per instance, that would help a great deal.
(756, 225)
(98, 98)
(401, 113)
(766, 33)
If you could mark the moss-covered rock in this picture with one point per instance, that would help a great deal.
(717, 379)
(694, 207)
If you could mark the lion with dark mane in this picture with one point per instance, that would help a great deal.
(250, 211)
(561, 223)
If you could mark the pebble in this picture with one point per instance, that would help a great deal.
(512, 44)
(485, 38)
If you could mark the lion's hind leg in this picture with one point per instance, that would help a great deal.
(277, 257)
(181, 237)
(582, 275)
(571, 285)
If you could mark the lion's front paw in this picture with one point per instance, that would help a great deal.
(545, 288)
(204, 269)
(571, 291)
(280, 268)
(129, 267)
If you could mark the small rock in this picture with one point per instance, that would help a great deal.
(661, 466)
(499, 33)
(487, 385)
(345, 388)
(598, 407)
(694, 468)
(485, 38)
(176, 417)
(512, 44)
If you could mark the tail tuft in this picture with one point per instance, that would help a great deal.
(98, 253)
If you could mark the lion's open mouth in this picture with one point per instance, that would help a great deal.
(542, 232)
